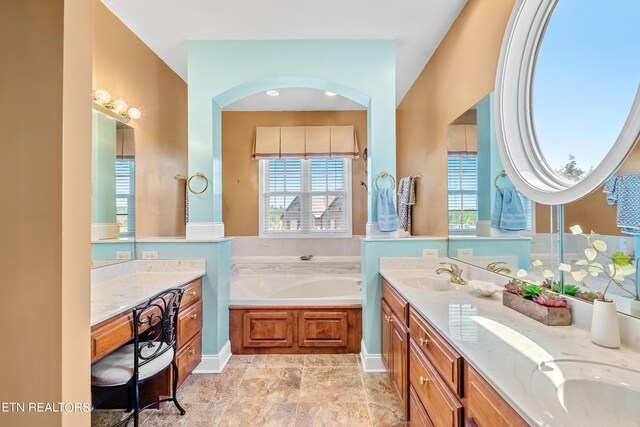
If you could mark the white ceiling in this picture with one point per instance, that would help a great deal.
(417, 26)
(294, 99)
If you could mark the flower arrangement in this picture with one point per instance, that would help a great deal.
(618, 267)
(535, 293)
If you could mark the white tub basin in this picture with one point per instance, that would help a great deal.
(588, 393)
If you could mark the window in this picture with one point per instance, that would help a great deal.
(462, 174)
(305, 197)
(125, 196)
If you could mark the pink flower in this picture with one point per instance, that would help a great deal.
(554, 301)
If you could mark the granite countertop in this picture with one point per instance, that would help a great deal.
(115, 295)
(506, 347)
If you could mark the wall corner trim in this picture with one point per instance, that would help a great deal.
(215, 363)
(371, 362)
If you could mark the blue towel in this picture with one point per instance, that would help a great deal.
(508, 210)
(387, 216)
(624, 191)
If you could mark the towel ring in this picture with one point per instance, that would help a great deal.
(384, 175)
(199, 176)
(502, 174)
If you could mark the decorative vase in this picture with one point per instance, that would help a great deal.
(605, 330)
(635, 308)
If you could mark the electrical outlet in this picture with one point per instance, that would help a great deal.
(622, 245)
(430, 253)
(123, 254)
(465, 252)
(149, 254)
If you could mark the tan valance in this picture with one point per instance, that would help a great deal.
(462, 139)
(305, 142)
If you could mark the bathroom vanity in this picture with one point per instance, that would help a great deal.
(456, 359)
(114, 296)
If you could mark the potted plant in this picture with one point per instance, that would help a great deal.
(537, 302)
(605, 330)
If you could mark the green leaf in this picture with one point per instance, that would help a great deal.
(620, 258)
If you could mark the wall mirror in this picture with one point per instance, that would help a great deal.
(113, 191)
(567, 96)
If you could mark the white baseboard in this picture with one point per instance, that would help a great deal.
(215, 363)
(204, 230)
(371, 362)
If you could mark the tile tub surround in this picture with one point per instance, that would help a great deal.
(120, 287)
(318, 265)
(505, 346)
(256, 246)
(280, 390)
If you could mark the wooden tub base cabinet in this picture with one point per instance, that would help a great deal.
(295, 330)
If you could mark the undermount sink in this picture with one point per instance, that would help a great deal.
(587, 393)
(427, 282)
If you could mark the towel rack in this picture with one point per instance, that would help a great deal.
(383, 175)
(502, 174)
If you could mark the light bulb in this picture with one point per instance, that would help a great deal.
(134, 113)
(102, 96)
(272, 92)
(120, 106)
(329, 93)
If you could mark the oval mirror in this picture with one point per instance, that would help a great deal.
(567, 95)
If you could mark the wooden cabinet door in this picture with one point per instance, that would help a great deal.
(399, 346)
(385, 330)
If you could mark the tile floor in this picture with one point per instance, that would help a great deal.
(279, 391)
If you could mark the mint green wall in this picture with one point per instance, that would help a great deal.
(104, 251)
(103, 169)
(222, 72)
(215, 284)
(370, 253)
(489, 164)
(520, 248)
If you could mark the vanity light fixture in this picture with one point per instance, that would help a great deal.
(272, 92)
(329, 93)
(117, 110)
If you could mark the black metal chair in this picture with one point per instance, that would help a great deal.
(152, 351)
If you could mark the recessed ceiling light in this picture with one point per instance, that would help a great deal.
(329, 93)
(272, 92)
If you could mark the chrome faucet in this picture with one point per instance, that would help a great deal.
(455, 272)
(494, 267)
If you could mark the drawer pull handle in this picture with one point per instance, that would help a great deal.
(192, 351)
(387, 318)
(424, 380)
(193, 293)
(194, 316)
(424, 342)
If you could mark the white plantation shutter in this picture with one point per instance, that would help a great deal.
(125, 196)
(305, 196)
(462, 174)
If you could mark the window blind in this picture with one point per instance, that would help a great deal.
(125, 196)
(305, 196)
(462, 178)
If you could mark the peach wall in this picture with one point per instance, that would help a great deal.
(45, 247)
(240, 210)
(125, 67)
(460, 73)
(592, 212)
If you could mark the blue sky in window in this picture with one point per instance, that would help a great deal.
(586, 77)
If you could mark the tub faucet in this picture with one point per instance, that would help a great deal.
(306, 257)
(494, 267)
(455, 272)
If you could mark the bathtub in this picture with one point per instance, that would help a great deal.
(296, 290)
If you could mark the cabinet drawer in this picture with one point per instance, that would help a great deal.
(108, 336)
(189, 357)
(396, 302)
(189, 323)
(192, 293)
(418, 414)
(442, 406)
(484, 406)
(444, 359)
